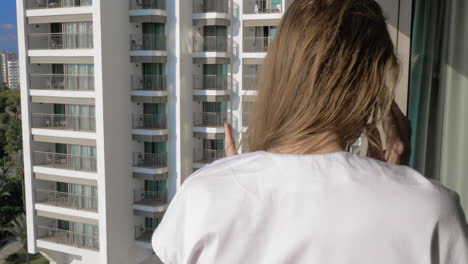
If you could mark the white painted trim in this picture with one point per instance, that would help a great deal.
(208, 129)
(150, 132)
(66, 211)
(67, 249)
(61, 53)
(151, 209)
(149, 93)
(63, 133)
(147, 12)
(62, 93)
(213, 15)
(149, 53)
(59, 11)
(150, 171)
(211, 92)
(65, 173)
(211, 55)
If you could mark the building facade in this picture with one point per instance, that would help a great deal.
(122, 101)
(5, 57)
(13, 74)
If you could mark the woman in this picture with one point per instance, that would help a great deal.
(297, 196)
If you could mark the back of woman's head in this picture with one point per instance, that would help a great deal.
(330, 68)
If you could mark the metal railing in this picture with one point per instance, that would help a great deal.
(147, 42)
(149, 82)
(68, 200)
(151, 160)
(40, 4)
(64, 161)
(257, 44)
(210, 44)
(261, 7)
(207, 155)
(154, 121)
(143, 196)
(144, 233)
(62, 82)
(216, 119)
(210, 82)
(148, 4)
(81, 123)
(249, 82)
(209, 6)
(67, 237)
(60, 41)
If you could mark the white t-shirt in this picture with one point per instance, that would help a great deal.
(334, 208)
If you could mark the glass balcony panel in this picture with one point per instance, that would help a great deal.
(149, 121)
(210, 119)
(41, 4)
(150, 160)
(210, 44)
(257, 44)
(147, 42)
(149, 82)
(262, 6)
(210, 82)
(63, 122)
(64, 161)
(67, 200)
(148, 4)
(47, 41)
(210, 6)
(62, 82)
(66, 237)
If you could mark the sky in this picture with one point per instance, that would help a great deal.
(8, 37)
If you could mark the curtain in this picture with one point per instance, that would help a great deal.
(153, 36)
(438, 93)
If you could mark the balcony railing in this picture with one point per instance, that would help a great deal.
(257, 44)
(249, 82)
(149, 121)
(60, 41)
(149, 82)
(66, 237)
(207, 155)
(147, 42)
(62, 82)
(40, 4)
(209, 6)
(150, 160)
(211, 119)
(246, 116)
(148, 4)
(261, 7)
(149, 197)
(68, 200)
(210, 82)
(64, 161)
(210, 44)
(144, 233)
(64, 122)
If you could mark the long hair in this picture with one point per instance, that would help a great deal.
(330, 68)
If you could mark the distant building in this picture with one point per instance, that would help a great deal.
(5, 57)
(13, 74)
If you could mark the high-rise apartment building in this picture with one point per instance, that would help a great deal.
(13, 73)
(5, 57)
(121, 101)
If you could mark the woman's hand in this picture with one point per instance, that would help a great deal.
(229, 146)
(397, 129)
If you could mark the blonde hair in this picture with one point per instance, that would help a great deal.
(330, 68)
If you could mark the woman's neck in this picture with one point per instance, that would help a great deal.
(318, 144)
